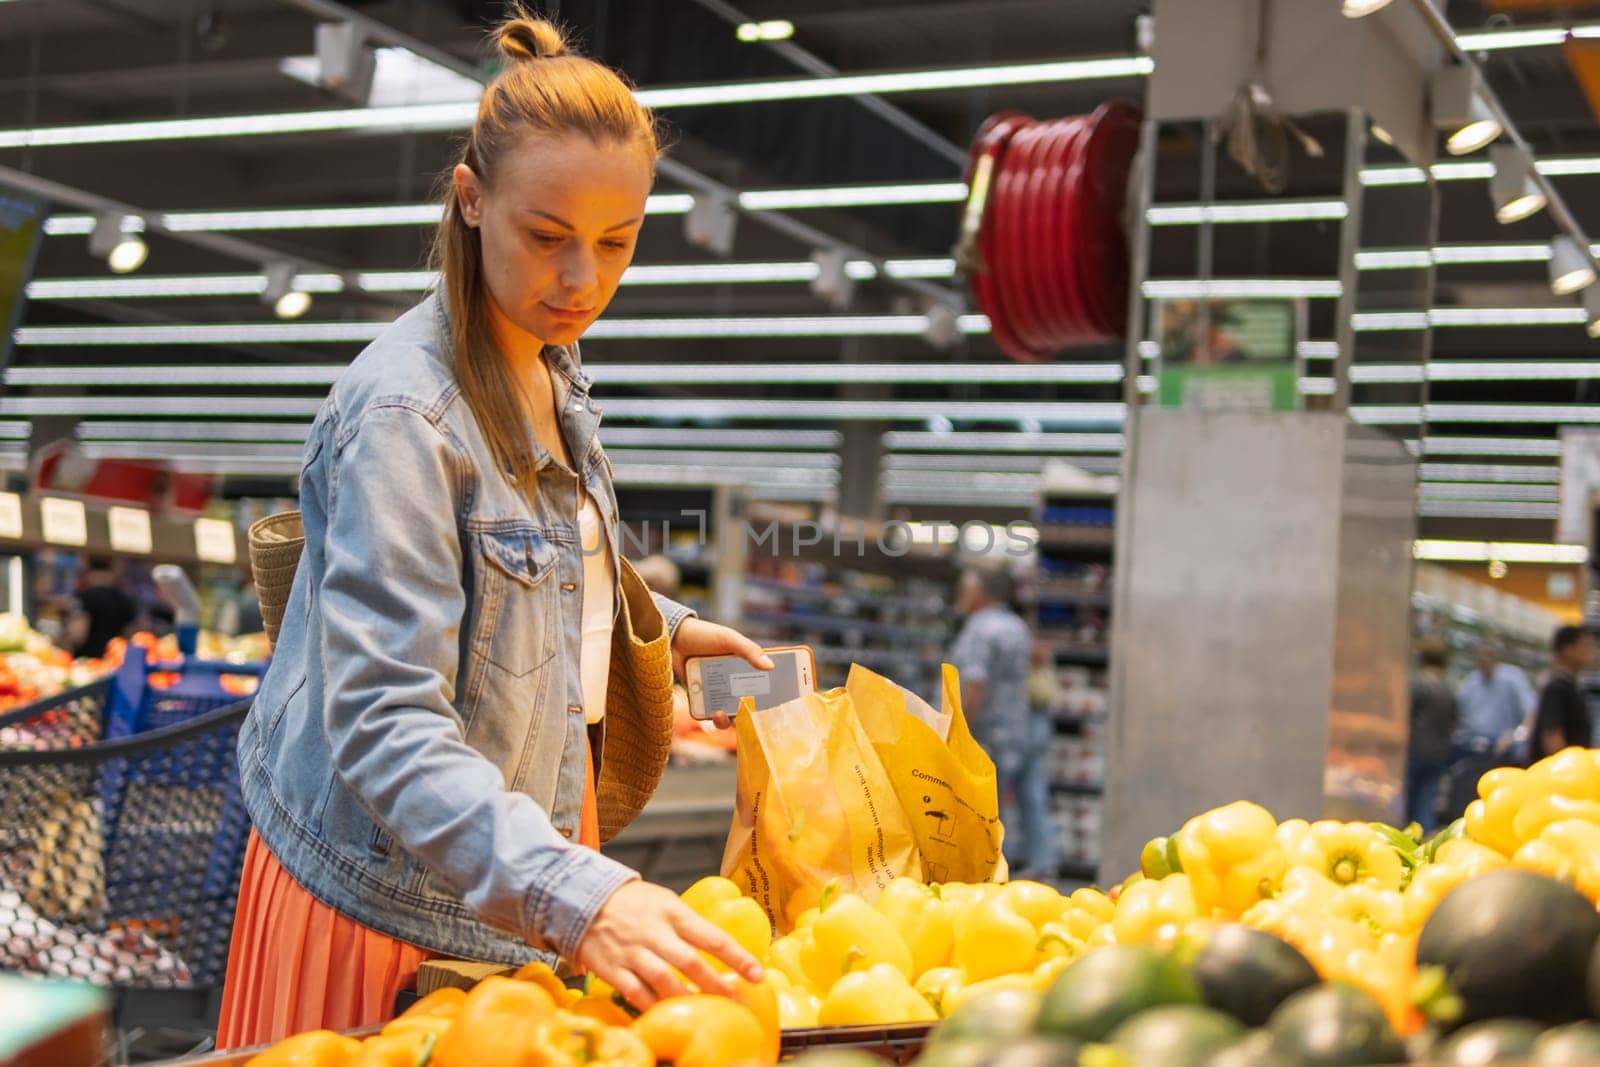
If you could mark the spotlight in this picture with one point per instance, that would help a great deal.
(124, 251)
(1459, 110)
(832, 283)
(771, 30)
(1515, 194)
(345, 64)
(286, 301)
(712, 223)
(1591, 307)
(1356, 9)
(1570, 269)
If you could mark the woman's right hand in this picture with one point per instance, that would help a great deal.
(645, 941)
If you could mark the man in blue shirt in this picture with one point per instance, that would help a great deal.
(1493, 706)
(993, 652)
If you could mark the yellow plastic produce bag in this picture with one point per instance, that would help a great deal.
(943, 777)
(858, 786)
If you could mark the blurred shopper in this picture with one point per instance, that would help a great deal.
(992, 652)
(1493, 708)
(1433, 722)
(471, 686)
(1563, 716)
(102, 610)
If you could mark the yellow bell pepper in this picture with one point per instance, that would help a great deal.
(783, 956)
(1094, 903)
(940, 987)
(1048, 971)
(1468, 856)
(1428, 886)
(1152, 910)
(500, 1022)
(1540, 810)
(1569, 851)
(1057, 940)
(314, 1048)
(587, 1042)
(850, 935)
(1489, 819)
(925, 922)
(1079, 923)
(1572, 772)
(1028, 983)
(719, 902)
(702, 1030)
(444, 1003)
(1378, 907)
(797, 1005)
(1231, 857)
(1035, 901)
(992, 939)
(876, 996)
(1346, 853)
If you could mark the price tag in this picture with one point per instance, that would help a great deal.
(130, 530)
(11, 516)
(214, 541)
(63, 521)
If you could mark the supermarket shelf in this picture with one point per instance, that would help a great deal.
(826, 624)
(1082, 654)
(1078, 789)
(1080, 597)
(803, 592)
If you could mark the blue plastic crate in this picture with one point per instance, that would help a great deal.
(135, 706)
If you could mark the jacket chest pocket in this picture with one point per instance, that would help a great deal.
(518, 626)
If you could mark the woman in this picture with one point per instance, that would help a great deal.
(426, 763)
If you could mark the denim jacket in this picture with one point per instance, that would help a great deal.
(415, 754)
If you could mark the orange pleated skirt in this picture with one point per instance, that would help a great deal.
(295, 964)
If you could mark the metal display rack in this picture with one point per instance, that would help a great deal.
(1071, 596)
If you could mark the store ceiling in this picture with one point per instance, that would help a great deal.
(74, 62)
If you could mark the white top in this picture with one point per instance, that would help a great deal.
(595, 658)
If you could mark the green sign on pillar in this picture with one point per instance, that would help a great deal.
(1228, 355)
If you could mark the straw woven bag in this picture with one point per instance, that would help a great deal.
(638, 721)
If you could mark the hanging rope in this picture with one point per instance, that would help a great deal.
(1043, 241)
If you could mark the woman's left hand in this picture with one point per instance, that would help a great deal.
(696, 637)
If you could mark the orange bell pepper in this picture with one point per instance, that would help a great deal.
(314, 1048)
(539, 973)
(445, 1003)
(394, 1050)
(576, 1040)
(500, 1023)
(701, 1031)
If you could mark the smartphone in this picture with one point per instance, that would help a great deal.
(718, 683)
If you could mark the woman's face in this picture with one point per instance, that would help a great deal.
(558, 228)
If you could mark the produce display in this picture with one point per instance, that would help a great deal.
(1241, 942)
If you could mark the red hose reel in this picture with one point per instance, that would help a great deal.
(1043, 241)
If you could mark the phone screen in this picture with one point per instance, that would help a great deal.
(726, 680)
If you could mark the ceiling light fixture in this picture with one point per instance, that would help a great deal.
(115, 239)
(1459, 110)
(1515, 193)
(1357, 9)
(770, 30)
(1591, 309)
(1570, 269)
(286, 299)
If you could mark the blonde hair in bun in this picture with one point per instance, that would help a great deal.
(524, 37)
(544, 89)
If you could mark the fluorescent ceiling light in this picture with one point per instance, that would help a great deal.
(218, 450)
(1505, 551)
(1386, 374)
(1530, 316)
(1389, 320)
(1566, 370)
(1489, 472)
(1078, 413)
(770, 30)
(1484, 509)
(459, 115)
(1240, 288)
(1394, 259)
(699, 437)
(853, 196)
(1316, 386)
(1514, 413)
(1246, 211)
(1490, 446)
(973, 441)
(605, 373)
(1318, 349)
(1544, 494)
(194, 431)
(422, 280)
(816, 461)
(614, 329)
(1527, 37)
(399, 77)
(1507, 253)
(202, 406)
